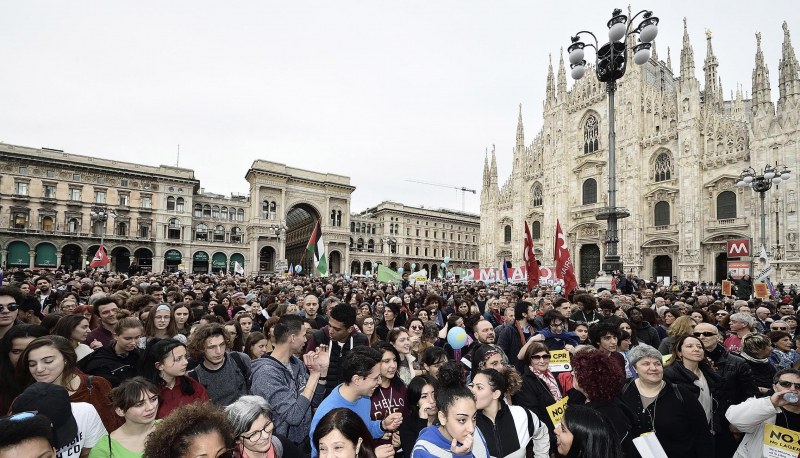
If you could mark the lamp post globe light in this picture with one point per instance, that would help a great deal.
(761, 183)
(101, 214)
(610, 65)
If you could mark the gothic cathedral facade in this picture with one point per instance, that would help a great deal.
(680, 149)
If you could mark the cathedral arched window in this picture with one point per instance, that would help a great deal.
(536, 230)
(726, 205)
(537, 195)
(507, 234)
(661, 214)
(591, 142)
(663, 167)
(589, 192)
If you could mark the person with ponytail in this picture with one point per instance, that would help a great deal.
(585, 432)
(510, 431)
(422, 403)
(456, 434)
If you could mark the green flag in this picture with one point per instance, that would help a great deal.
(385, 275)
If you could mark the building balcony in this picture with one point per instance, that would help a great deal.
(668, 229)
(726, 224)
(22, 197)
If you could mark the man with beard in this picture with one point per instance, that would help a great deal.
(46, 297)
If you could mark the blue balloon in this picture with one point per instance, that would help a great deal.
(444, 266)
(413, 265)
(447, 259)
(457, 338)
(400, 270)
(298, 268)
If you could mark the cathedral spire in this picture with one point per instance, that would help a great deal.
(762, 96)
(711, 98)
(486, 168)
(788, 77)
(520, 131)
(654, 52)
(562, 78)
(669, 59)
(687, 55)
(493, 171)
(550, 96)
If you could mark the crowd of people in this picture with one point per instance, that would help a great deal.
(102, 364)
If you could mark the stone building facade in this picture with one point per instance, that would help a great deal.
(398, 235)
(681, 147)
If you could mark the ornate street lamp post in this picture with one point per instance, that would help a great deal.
(101, 214)
(610, 64)
(761, 183)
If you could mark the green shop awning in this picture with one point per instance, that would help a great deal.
(18, 254)
(219, 261)
(201, 256)
(172, 255)
(46, 255)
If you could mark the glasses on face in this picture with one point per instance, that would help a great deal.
(261, 433)
(541, 357)
(787, 384)
(779, 329)
(556, 325)
(415, 328)
(10, 307)
(704, 334)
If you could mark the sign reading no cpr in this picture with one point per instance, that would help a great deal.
(559, 361)
(556, 411)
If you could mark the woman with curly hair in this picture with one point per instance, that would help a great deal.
(199, 429)
(598, 379)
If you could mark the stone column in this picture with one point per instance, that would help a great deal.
(31, 258)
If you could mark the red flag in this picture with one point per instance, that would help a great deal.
(531, 266)
(100, 258)
(565, 270)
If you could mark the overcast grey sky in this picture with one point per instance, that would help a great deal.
(381, 91)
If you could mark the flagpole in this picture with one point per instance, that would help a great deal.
(306, 248)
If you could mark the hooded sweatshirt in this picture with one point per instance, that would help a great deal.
(431, 444)
(282, 387)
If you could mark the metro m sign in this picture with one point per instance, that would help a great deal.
(738, 248)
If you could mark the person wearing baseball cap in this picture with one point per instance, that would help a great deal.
(76, 425)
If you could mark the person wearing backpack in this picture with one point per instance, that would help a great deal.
(225, 374)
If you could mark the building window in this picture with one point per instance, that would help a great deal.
(206, 211)
(20, 221)
(223, 213)
(360, 245)
(236, 235)
(589, 192)
(591, 141)
(663, 167)
(147, 202)
(75, 194)
(201, 232)
(661, 214)
(219, 234)
(726, 205)
(122, 229)
(51, 174)
(416, 251)
(123, 182)
(174, 229)
(124, 200)
(408, 250)
(101, 180)
(371, 246)
(198, 211)
(240, 215)
(23, 170)
(215, 212)
(49, 191)
(144, 231)
(538, 196)
(506, 234)
(47, 224)
(170, 203)
(22, 188)
(72, 226)
(536, 230)
(179, 204)
(100, 197)
(426, 252)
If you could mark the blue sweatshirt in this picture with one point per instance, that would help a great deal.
(431, 444)
(334, 401)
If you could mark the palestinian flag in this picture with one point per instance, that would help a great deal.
(317, 248)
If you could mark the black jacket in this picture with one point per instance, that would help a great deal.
(501, 435)
(678, 374)
(762, 373)
(676, 417)
(535, 396)
(104, 362)
(409, 432)
(736, 379)
(623, 420)
(647, 334)
(511, 343)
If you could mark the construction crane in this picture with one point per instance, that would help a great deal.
(463, 189)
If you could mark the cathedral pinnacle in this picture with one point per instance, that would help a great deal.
(562, 78)
(520, 131)
(493, 171)
(550, 96)
(687, 55)
(669, 59)
(711, 98)
(762, 98)
(788, 77)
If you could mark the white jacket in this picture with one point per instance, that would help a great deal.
(750, 417)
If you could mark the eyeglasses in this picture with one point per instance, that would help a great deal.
(261, 433)
(779, 329)
(787, 384)
(704, 334)
(12, 307)
(556, 325)
(416, 328)
(538, 357)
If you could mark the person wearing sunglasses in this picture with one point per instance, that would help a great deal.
(254, 430)
(752, 415)
(10, 298)
(737, 383)
(539, 386)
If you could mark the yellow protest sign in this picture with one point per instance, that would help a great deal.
(559, 361)
(556, 411)
(780, 442)
(760, 290)
(726, 287)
